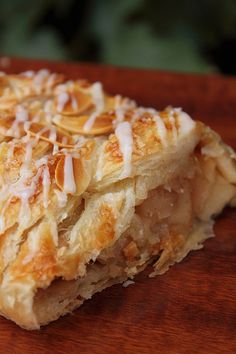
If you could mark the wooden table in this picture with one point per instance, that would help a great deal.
(190, 309)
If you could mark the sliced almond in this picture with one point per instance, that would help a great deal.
(62, 138)
(7, 104)
(6, 122)
(81, 173)
(40, 149)
(102, 124)
(11, 128)
(113, 102)
(77, 103)
(110, 103)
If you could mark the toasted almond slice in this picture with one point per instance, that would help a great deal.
(17, 87)
(7, 105)
(113, 102)
(102, 124)
(40, 149)
(110, 103)
(51, 134)
(11, 128)
(6, 122)
(72, 103)
(80, 174)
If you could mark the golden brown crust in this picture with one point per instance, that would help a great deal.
(74, 164)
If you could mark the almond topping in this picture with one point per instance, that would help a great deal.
(102, 124)
(72, 103)
(51, 134)
(72, 174)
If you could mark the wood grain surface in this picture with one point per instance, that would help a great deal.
(190, 309)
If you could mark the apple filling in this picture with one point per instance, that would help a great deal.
(174, 219)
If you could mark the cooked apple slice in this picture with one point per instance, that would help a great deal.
(227, 167)
(221, 194)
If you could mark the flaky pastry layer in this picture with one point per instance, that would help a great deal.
(95, 188)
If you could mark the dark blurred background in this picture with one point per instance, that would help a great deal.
(180, 35)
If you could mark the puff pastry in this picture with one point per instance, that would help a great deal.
(95, 188)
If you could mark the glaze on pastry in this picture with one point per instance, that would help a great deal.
(95, 188)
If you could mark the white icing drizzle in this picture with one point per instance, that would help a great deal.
(55, 149)
(48, 118)
(64, 140)
(25, 212)
(28, 154)
(69, 180)
(25, 192)
(161, 129)
(48, 106)
(98, 100)
(43, 161)
(46, 186)
(14, 130)
(98, 96)
(78, 140)
(90, 122)
(122, 105)
(136, 115)
(123, 133)
(69, 85)
(151, 110)
(61, 197)
(52, 137)
(39, 79)
(27, 125)
(21, 114)
(28, 73)
(62, 99)
(74, 103)
(28, 258)
(2, 222)
(50, 82)
(119, 110)
(52, 134)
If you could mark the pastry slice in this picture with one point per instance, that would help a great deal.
(94, 189)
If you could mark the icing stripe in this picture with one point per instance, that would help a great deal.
(69, 180)
(123, 133)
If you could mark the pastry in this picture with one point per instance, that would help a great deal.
(94, 189)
